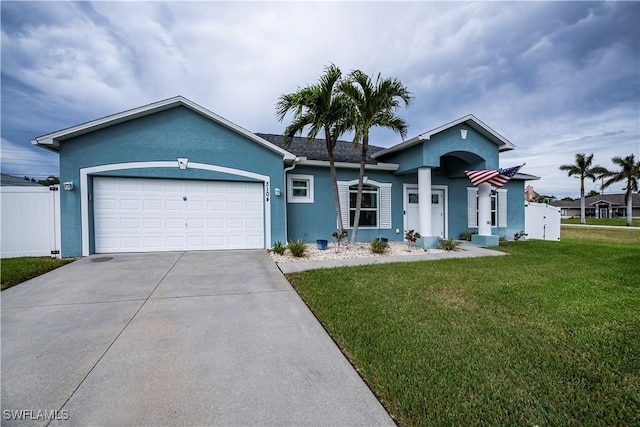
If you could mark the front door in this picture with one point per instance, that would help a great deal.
(604, 213)
(412, 217)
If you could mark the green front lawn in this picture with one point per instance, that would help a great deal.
(620, 222)
(17, 270)
(549, 335)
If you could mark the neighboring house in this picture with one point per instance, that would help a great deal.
(14, 181)
(599, 206)
(174, 176)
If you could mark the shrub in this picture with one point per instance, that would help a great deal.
(279, 247)
(519, 235)
(378, 246)
(297, 248)
(448, 244)
(502, 238)
(412, 235)
(466, 235)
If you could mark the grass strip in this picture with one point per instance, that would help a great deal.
(20, 269)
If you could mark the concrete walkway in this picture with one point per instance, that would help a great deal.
(196, 338)
(466, 250)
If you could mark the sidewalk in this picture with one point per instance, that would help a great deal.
(623, 227)
(465, 250)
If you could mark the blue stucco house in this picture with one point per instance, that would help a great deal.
(173, 176)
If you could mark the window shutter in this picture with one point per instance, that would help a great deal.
(343, 193)
(385, 207)
(472, 207)
(502, 208)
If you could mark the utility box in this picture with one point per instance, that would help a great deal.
(541, 221)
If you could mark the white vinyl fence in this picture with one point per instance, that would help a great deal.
(541, 221)
(30, 221)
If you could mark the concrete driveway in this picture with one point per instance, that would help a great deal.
(195, 338)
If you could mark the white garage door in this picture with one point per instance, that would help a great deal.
(146, 215)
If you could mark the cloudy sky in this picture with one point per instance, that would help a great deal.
(555, 78)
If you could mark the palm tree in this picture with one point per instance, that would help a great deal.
(375, 105)
(320, 108)
(629, 170)
(583, 169)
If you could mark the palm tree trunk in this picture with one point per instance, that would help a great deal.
(583, 220)
(363, 162)
(334, 179)
(629, 206)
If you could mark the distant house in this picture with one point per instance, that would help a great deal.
(599, 206)
(14, 181)
(173, 175)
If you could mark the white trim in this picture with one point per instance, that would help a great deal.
(344, 191)
(502, 143)
(405, 205)
(52, 140)
(347, 165)
(84, 190)
(502, 206)
(297, 199)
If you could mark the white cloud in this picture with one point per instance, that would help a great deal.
(545, 75)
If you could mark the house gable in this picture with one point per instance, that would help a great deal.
(52, 140)
(466, 143)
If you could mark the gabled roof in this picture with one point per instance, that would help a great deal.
(469, 120)
(14, 181)
(52, 140)
(616, 200)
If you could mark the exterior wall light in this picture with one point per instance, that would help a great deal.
(277, 191)
(68, 186)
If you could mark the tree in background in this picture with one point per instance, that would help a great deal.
(321, 108)
(583, 169)
(375, 104)
(629, 171)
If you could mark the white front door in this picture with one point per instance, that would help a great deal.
(438, 209)
(437, 213)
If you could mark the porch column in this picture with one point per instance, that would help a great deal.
(484, 237)
(424, 207)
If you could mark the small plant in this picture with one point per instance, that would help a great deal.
(339, 236)
(520, 234)
(297, 248)
(502, 238)
(279, 247)
(466, 235)
(378, 246)
(411, 236)
(448, 244)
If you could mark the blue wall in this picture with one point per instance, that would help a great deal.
(429, 152)
(446, 153)
(164, 136)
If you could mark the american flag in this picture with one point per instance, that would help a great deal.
(495, 177)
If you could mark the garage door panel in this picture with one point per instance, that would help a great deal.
(139, 215)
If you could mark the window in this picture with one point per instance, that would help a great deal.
(375, 211)
(498, 207)
(368, 208)
(300, 188)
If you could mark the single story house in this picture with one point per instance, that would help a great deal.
(599, 206)
(174, 176)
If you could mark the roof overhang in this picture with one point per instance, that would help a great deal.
(346, 165)
(602, 201)
(469, 120)
(525, 177)
(52, 140)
